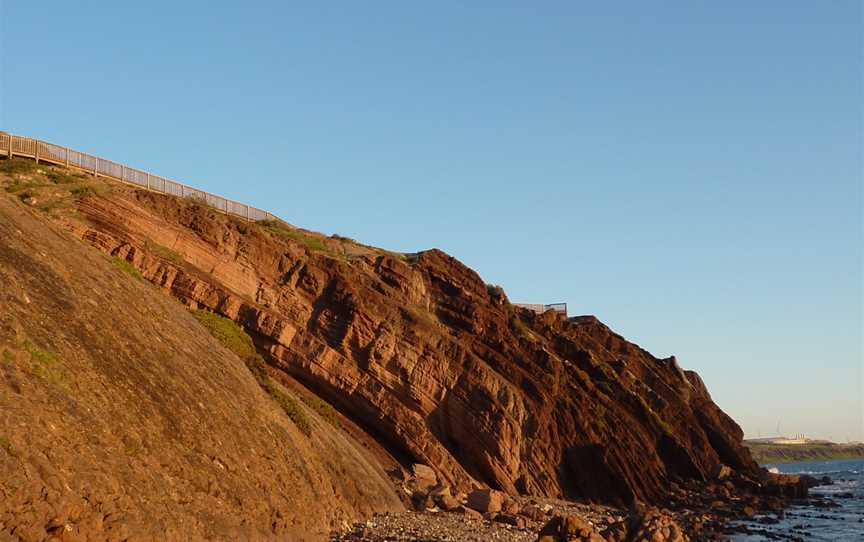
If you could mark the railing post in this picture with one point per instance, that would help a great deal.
(10, 146)
(95, 167)
(36, 150)
(148, 181)
(247, 212)
(67, 156)
(122, 172)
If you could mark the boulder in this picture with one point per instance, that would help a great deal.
(533, 512)
(568, 529)
(655, 526)
(424, 472)
(723, 471)
(616, 532)
(469, 513)
(448, 503)
(511, 507)
(423, 477)
(510, 519)
(485, 500)
(421, 500)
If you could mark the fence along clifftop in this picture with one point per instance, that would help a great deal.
(41, 151)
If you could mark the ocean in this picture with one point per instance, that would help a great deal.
(844, 522)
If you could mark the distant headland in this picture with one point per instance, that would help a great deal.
(800, 448)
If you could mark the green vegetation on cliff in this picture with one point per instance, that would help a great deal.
(238, 341)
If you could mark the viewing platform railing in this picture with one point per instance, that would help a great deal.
(41, 151)
(540, 308)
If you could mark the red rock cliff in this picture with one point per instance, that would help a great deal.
(438, 368)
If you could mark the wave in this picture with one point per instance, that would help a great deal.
(852, 472)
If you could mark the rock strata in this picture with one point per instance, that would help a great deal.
(438, 368)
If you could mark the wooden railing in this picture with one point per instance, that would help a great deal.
(13, 145)
(540, 308)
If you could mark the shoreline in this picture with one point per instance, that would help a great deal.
(693, 511)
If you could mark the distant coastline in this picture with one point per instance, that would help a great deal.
(771, 452)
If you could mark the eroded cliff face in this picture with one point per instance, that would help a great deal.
(121, 418)
(438, 368)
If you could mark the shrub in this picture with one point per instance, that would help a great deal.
(521, 329)
(82, 192)
(63, 177)
(18, 186)
(496, 293)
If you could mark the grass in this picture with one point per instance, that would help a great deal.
(606, 388)
(289, 405)
(40, 356)
(45, 365)
(59, 176)
(126, 267)
(17, 166)
(228, 333)
(521, 329)
(82, 192)
(165, 253)
(312, 243)
(7, 446)
(293, 410)
(18, 186)
(53, 205)
(7, 356)
(232, 337)
(323, 409)
(200, 201)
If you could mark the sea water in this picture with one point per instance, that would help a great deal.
(808, 522)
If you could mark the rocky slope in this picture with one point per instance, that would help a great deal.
(434, 365)
(121, 418)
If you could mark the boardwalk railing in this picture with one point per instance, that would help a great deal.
(540, 308)
(13, 145)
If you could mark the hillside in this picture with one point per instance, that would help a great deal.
(121, 417)
(428, 361)
(765, 453)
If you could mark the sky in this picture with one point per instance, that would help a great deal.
(689, 172)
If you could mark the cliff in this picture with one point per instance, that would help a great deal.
(431, 365)
(121, 418)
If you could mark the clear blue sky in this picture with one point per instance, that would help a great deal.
(690, 172)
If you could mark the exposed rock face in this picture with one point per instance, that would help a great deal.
(121, 418)
(439, 369)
